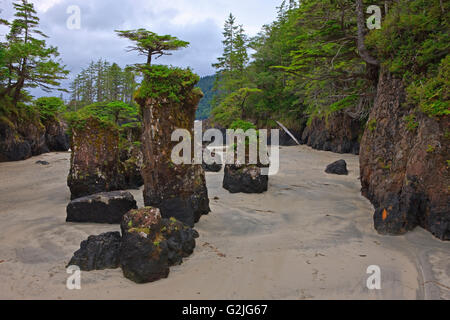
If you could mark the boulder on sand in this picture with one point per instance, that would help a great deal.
(151, 244)
(98, 252)
(338, 167)
(106, 207)
(245, 178)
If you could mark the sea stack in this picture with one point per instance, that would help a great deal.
(94, 163)
(168, 100)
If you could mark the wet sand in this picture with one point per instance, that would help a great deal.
(310, 237)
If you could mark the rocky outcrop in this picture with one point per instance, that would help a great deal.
(244, 178)
(94, 164)
(405, 164)
(338, 132)
(131, 158)
(98, 252)
(177, 190)
(56, 136)
(22, 140)
(108, 207)
(150, 245)
(338, 167)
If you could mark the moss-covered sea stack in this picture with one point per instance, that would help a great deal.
(168, 100)
(94, 163)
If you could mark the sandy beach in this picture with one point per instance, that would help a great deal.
(310, 236)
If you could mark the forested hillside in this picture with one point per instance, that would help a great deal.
(204, 107)
(312, 61)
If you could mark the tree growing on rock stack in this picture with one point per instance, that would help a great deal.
(168, 100)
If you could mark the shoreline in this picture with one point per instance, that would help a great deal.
(310, 236)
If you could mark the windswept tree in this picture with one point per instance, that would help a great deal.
(150, 44)
(30, 62)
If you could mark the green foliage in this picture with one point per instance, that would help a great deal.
(234, 107)
(411, 123)
(116, 113)
(432, 94)
(49, 108)
(414, 37)
(241, 124)
(372, 125)
(171, 83)
(430, 149)
(206, 84)
(414, 44)
(27, 61)
(102, 81)
(150, 44)
(347, 102)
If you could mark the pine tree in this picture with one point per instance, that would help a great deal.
(31, 63)
(150, 44)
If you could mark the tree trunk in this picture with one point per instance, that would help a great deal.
(365, 55)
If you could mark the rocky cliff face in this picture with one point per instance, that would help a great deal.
(338, 133)
(20, 141)
(405, 164)
(95, 162)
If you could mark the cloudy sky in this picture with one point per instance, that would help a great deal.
(200, 22)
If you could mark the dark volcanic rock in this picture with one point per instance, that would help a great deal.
(143, 260)
(98, 252)
(56, 137)
(404, 164)
(151, 244)
(244, 178)
(44, 163)
(339, 133)
(108, 207)
(21, 140)
(338, 167)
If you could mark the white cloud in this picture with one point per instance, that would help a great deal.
(200, 22)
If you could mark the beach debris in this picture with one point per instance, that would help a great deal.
(98, 252)
(338, 167)
(105, 207)
(288, 132)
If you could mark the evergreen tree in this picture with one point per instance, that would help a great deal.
(150, 44)
(31, 63)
